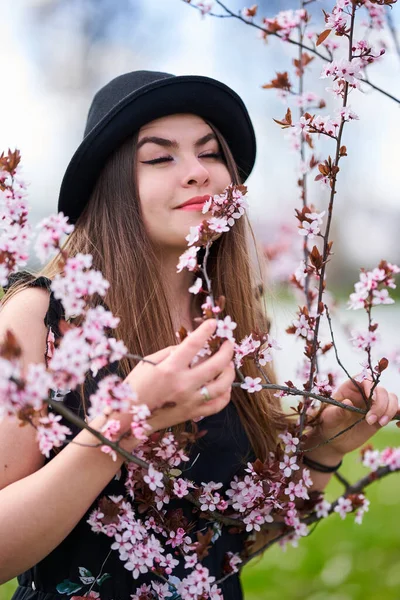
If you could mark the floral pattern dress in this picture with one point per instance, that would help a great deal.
(83, 565)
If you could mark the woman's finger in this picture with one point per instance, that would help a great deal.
(191, 345)
(221, 385)
(392, 409)
(160, 355)
(211, 407)
(380, 401)
(213, 366)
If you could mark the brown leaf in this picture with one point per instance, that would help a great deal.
(203, 543)
(281, 82)
(110, 510)
(10, 348)
(252, 11)
(316, 258)
(322, 36)
(383, 364)
(182, 333)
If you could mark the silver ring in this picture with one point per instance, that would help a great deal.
(205, 393)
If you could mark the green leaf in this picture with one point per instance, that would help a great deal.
(68, 587)
(102, 579)
(85, 576)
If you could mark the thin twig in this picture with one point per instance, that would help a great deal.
(352, 379)
(310, 49)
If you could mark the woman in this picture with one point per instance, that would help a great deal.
(153, 142)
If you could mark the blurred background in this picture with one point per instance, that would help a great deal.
(58, 53)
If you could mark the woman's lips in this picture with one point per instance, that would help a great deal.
(195, 203)
(192, 207)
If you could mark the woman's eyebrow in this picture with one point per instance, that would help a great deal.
(173, 143)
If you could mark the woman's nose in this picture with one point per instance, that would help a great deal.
(196, 173)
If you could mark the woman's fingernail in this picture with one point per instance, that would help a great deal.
(371, 419)
(384, 420)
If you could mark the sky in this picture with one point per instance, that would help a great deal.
(59, 52)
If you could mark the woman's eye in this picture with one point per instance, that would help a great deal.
(155, 161)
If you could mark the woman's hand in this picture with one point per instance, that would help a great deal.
(172, 381)
(334, 419)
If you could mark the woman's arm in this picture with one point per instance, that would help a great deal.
(40, 506)
(39, 511)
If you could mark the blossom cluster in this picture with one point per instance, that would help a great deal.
(257, 347)
(285, 22)
(51, 232)
(15, 231)
(371, 289)
(77, 282)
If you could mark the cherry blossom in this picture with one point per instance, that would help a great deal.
(50, 433)
(196, 287)
(52, 230)
(362, 510)
(290, 442)
(188, 260)
(288, 465)
(343, 507)
(209, 500)
(193, 236)
(322, 508)
(364, 340)
(154, 479)
(371, 459)
(251, 384)
(219, 225)
(225, 328)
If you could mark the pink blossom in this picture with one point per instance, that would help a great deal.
(197, 583)
(322, 508)
(112, 394)
(390, 457)
(188, 260)
(225, 328)
(290, 442)
(205, 6)
(154, 479)
(191, 561)
(219, 225)
(234, 560)
(181, 487)
(347, 114)
(371, 459)
(381, 297)
(50, 433)
(53, 229)
(194, 235)
(362, 509)
(251, 385)
(303, 327)
(208, 499)
(288, 465)
(196, 287)
(110, 430)
(343, 507)
(364, 340)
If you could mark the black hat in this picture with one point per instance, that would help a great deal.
(129, 101)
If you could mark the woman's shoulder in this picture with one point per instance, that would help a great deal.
(24, 309)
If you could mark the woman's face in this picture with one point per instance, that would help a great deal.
(178, 158)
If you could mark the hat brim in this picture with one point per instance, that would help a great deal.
(206, 97)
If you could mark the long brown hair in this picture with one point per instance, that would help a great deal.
(111, 229)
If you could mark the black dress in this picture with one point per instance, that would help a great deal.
(84, 565)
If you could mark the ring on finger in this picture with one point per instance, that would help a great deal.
(205, 393)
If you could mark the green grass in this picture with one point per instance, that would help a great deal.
(339, 560)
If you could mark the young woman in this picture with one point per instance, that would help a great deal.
(152, 143)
